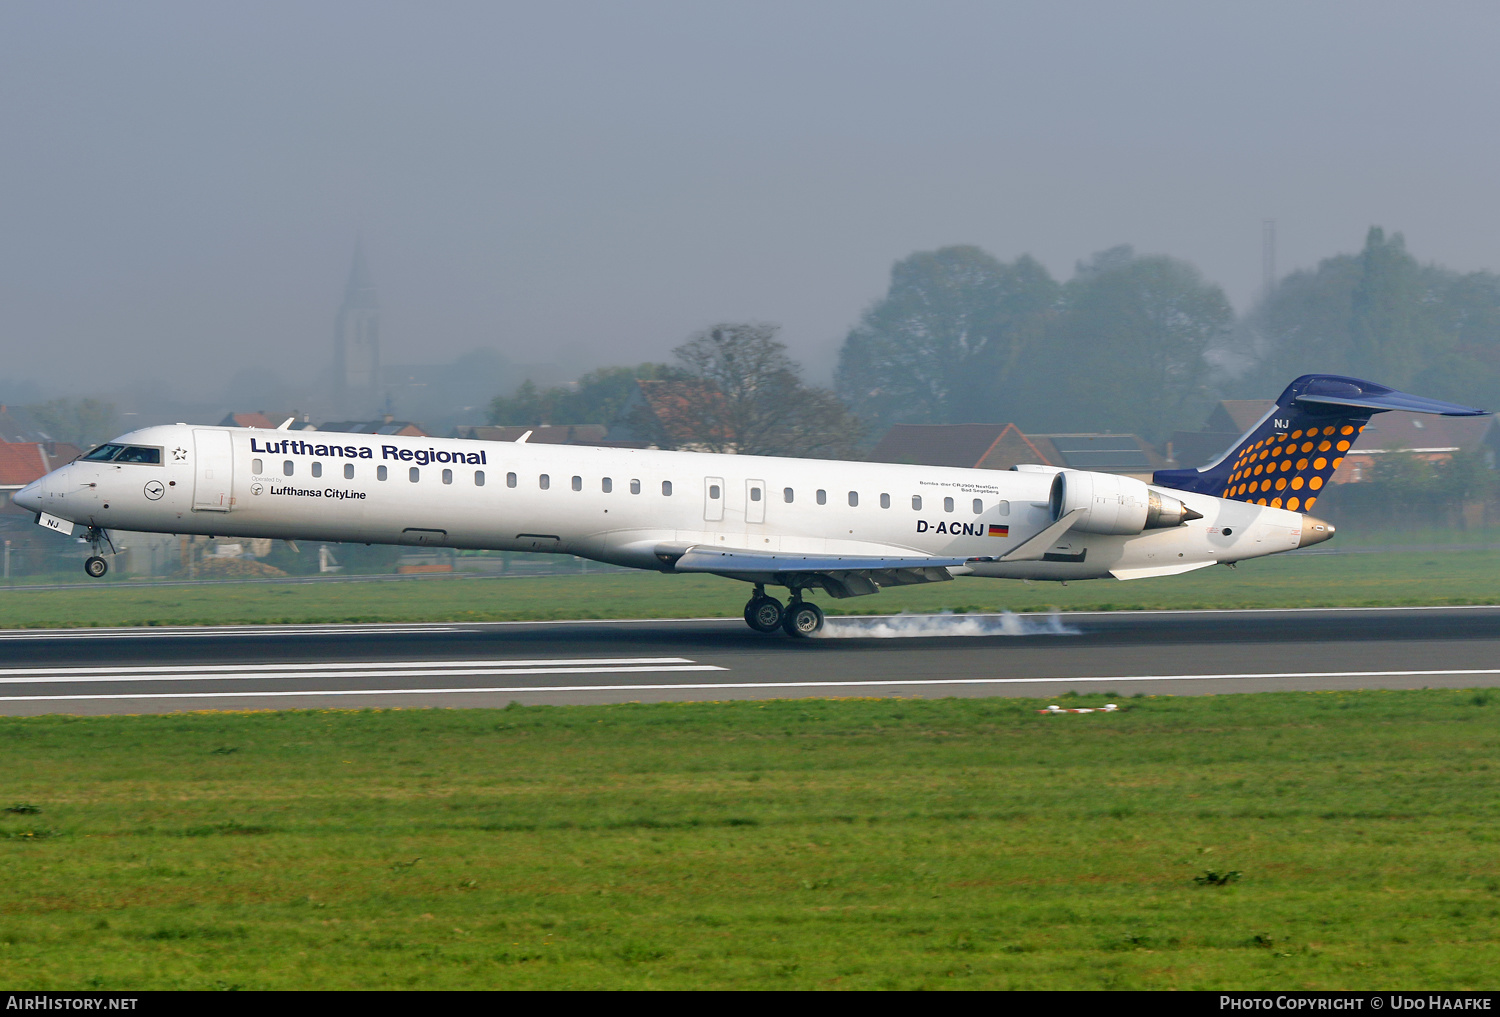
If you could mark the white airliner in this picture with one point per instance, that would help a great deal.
(847, 528)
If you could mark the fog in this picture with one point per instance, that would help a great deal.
(577, 184)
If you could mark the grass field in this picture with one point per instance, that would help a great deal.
(1340, 840)
(1414, 577)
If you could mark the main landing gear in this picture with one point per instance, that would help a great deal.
(95, 565)
(799, 619)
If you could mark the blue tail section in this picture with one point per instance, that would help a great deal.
(1287, 457)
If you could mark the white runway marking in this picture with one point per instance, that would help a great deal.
(349, 673)
(150, 632)
(727, 686)
(182, 672)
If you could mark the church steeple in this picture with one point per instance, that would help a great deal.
(356, 340)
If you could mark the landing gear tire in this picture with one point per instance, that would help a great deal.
(763, 614)
(95, 566)
(802, 619)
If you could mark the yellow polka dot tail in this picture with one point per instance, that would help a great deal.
(1287, 458)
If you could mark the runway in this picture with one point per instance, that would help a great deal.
(92, 671)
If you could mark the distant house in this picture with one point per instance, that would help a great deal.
(257, 419)
(266, 421)
(966, 446)
(541, 434)
(21, 462)
(1422, 435)
(1001, 446)
(385, 426)
(1230, 420)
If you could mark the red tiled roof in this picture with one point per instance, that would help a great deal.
(962, 445)
(248, 420)
(21, 463)
(1399, 429)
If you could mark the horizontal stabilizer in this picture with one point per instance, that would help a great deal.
(1289, 455)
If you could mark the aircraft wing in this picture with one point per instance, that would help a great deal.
(842, 575)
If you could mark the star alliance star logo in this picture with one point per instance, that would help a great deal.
(179, 455)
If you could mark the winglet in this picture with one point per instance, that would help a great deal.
(522, 440)
(286, 424)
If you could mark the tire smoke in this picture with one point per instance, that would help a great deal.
(911, 626)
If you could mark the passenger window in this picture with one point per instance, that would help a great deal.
(447, 476)
(256, 466)
(755, 494)
(1003, 507)
(787, 494)
(606, 485)
(947, 504)
(822, 497)
(853, 499)
(286, 468)
(713, 490)
(885, 501)
(578, 483)
(136, 454)
(380, 473)
(104, 453)
(414, 475)
(544, 481)
(978, 506)
(348, 471)
(666, 488)
(916, 503)
(317, 469)
(635, 487)
(510, 480)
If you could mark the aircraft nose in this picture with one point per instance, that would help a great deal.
(30, 496)
(1314, 531)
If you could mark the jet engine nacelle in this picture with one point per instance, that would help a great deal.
(1114, 504)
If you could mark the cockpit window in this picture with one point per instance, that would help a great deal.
(103, 453)
(139, 454)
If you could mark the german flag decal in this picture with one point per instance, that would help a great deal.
(999, 531)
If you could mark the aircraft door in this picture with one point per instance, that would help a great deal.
(755, 501)
(713, 499)
(213, 471)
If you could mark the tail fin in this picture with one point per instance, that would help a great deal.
(1287, 457)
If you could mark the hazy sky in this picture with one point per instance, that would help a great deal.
(182, 184)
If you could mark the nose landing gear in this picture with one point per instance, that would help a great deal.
(95, 566)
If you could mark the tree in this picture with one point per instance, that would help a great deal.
(741, 392)
(1391, 328)
(599, 397)
(944, 343)
(1127, 352)
(81, 422)
(1381, 315)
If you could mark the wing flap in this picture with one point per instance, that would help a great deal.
(1160, 570)
(713, 559)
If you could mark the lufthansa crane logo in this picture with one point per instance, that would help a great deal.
(155, 490)
(256, 489)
